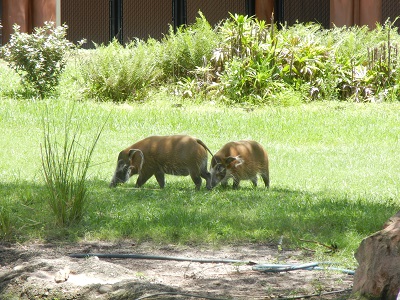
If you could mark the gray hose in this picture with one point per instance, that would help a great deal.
(274, 268)
(154, 257)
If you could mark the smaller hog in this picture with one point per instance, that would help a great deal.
(180, 155)
(241, 160)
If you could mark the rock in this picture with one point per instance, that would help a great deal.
(62, 275)
(18, 268)
(378, 256)
(104, 289)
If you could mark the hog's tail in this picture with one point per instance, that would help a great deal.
(204, 146)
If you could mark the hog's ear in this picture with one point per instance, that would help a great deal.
(214, 161)
(220, 168)
(132, 153)
(230, 159)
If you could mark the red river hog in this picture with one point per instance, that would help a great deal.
(241, 160)
(180, 155)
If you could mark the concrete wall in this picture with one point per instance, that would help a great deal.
(27, 14)
(355, 12)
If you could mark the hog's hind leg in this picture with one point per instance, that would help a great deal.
(236, 183)
(265, 177)
(254, 180)
(160, 176)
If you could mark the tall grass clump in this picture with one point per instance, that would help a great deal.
(119, 73)
(65, 162)
(39, 58)
(6, 223)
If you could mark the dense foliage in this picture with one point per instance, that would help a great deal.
(240, 61)
(246, 61)
(305, 62)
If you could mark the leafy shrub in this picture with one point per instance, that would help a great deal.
(381, 70)
(40, 57)
(119, 73)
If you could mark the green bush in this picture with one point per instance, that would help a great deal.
(119, 73)
(188, 49)
(40, 57)
(302, 57)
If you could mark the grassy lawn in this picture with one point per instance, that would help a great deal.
(334, 172)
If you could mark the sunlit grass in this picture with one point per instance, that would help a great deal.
(334, 173)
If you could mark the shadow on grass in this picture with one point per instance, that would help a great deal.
(24, 206)
(179, 214)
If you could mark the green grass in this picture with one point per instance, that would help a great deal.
(334, 166)
(334, 174)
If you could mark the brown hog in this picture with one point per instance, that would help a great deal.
(242, 160)
(180, 155)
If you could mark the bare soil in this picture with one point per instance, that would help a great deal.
(30, 271)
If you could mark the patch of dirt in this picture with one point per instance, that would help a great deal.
(30, 272)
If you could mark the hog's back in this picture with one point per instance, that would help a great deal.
(176, 155)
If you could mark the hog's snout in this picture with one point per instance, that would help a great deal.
(121, 175)
(113, 184)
